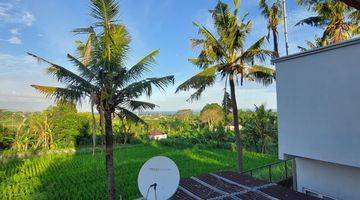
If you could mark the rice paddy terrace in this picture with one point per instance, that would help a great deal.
(82, 175)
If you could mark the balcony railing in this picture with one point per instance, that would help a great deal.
(278, 172)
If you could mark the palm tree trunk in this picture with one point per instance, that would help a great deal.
(93, 126)
(102, 124)
(109, 142)
(236, 123)
(276, 45)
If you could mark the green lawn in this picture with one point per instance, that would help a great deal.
(82, 176)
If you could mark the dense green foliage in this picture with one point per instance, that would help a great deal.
(260, 130)
(82, 176)
(58, 126)
(69, 128)
(212, 115)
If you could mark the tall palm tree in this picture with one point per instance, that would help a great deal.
(223, 55)
(339, 21)
(273, 15)
(105, 78)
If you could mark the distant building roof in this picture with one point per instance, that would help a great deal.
(156, 132)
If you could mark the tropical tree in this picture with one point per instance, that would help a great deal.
(226, 104)
(223, 54)
(105, 78)
(260, 129)
(273, 15)
(184, 115)
(338, 20)
(212, 115)
(123, 131)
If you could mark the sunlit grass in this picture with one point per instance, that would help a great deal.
(82, 176)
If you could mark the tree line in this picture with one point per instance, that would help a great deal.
(62, 126)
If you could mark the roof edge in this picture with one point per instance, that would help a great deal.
(350, 42)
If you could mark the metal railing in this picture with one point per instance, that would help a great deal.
(274, 172)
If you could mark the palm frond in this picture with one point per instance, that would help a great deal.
(104, 10)
(236, 6)
(60, 94)
(127, 114)
(220, 15)
(256, 51)
(143, 65)
(264, 8)
(261, 74)
(87, 30)
(141, 105)
(87, 49)
(85, 71)
(65, 76)
(197, 42)
(302, 49)
(197, 94)
(202, 61)
(316, 21)
(212, 44)
(206, 77)
(137, 89)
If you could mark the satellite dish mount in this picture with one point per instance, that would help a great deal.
(158, 178)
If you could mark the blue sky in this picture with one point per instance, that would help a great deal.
(44, 28)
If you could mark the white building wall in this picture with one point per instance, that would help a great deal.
(318, 96)
(338, 181)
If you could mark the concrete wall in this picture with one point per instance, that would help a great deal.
(318, 96)
(338, 181)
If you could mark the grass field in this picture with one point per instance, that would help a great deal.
(82, 176)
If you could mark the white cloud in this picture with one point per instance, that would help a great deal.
(14, 31)
(11, 14)
(27, 18)
(14, 40)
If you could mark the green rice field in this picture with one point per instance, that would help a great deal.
(82, 176)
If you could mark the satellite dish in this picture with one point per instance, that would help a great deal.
(158, 178)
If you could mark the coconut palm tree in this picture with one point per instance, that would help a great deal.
(104, 77)
(339, 21)
(273, 15)
(223, 54)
